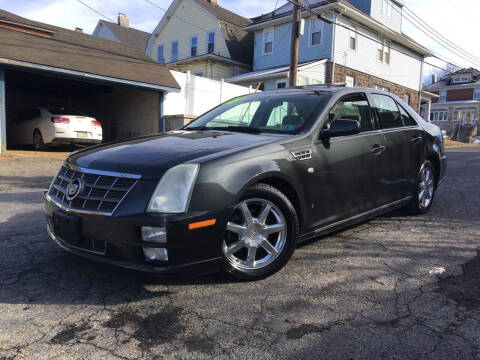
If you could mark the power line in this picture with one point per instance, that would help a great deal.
(372, 39)
(440, 39)
(98, 12)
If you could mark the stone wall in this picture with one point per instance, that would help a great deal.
(365, 80)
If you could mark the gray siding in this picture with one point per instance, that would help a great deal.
(104, 32)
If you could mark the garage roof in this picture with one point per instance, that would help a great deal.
(27, 43)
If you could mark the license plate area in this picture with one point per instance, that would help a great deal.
(82, 134)
(67, 227)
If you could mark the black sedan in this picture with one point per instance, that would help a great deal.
(238, 187)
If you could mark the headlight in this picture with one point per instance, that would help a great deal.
(174, 189)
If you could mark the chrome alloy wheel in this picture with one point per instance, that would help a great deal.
(256, 234)
(425, 187)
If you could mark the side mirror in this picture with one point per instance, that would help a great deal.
(341, 127)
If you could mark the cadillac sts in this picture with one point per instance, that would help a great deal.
(241, 185)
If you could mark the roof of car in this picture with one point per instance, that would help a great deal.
(326, 89)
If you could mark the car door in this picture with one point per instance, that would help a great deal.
(403, 148)
(345, 178)
(414, 149)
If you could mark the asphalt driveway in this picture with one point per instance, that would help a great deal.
(397, 287)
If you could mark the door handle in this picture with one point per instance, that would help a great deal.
(417, 139)
(378, 149)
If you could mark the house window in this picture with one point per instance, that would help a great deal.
(406, 98)
(193, 46)
(476, 93)
(443, 95)
(349, 81)
(383, 51)
(379, 87)
(281, 84)
(353, 38)
(160, 57)
(268, 40)
(174, 50)
(460, 79)
(439, 115)
(211, 42)
(387, 8)
(316, 26)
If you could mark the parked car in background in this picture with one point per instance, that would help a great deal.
(239, 186)
(43, 127)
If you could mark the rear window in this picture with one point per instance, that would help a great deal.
(66, 111)
(387, 110)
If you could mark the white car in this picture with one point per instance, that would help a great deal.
(46, 127)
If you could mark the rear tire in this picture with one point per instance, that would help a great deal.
(422, 198)
(261, 234)
(38, 143)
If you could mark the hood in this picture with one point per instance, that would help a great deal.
(151, 156)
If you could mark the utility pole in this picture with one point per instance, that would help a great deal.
(296, 18)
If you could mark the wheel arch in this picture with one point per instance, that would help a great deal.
(282, 183)
(434, 159)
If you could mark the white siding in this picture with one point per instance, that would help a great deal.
(394, 22)
(315, 74)
(402, 70)
(189, 19)
(199, 95)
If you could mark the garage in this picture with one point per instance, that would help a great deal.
(46, 67)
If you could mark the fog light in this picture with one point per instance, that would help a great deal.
(155, 254)
(154, 234)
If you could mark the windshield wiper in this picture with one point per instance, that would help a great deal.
(248, 129)
(232, 128)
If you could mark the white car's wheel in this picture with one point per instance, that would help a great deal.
(38, 143)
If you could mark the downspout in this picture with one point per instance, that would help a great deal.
(420, 87)
(334, 21)
(333, 46)
(3, 121)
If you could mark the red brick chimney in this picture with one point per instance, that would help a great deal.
(213, 2)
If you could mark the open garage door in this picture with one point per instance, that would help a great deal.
(123, 112)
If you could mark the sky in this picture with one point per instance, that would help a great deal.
(455, 20)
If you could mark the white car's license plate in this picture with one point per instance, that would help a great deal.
(82, 134)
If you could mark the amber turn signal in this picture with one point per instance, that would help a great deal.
(201, 224)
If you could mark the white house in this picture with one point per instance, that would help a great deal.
(202, 37)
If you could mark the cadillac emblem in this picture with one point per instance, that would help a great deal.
(74, 188)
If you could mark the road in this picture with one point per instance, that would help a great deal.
(374, 291)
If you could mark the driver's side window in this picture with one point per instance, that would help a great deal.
(353, 107)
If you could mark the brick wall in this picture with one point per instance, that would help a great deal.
(369, 81)
(460, 94)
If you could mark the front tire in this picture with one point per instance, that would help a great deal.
(422, 199)
(261, 234)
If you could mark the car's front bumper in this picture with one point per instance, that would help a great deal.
(196, 250)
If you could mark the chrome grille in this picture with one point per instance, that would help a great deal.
(101, 193)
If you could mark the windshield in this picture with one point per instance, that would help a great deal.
(276, 112)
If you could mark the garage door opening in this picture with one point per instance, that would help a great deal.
(123, 112)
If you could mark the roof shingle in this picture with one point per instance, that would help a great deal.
(72, 50)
